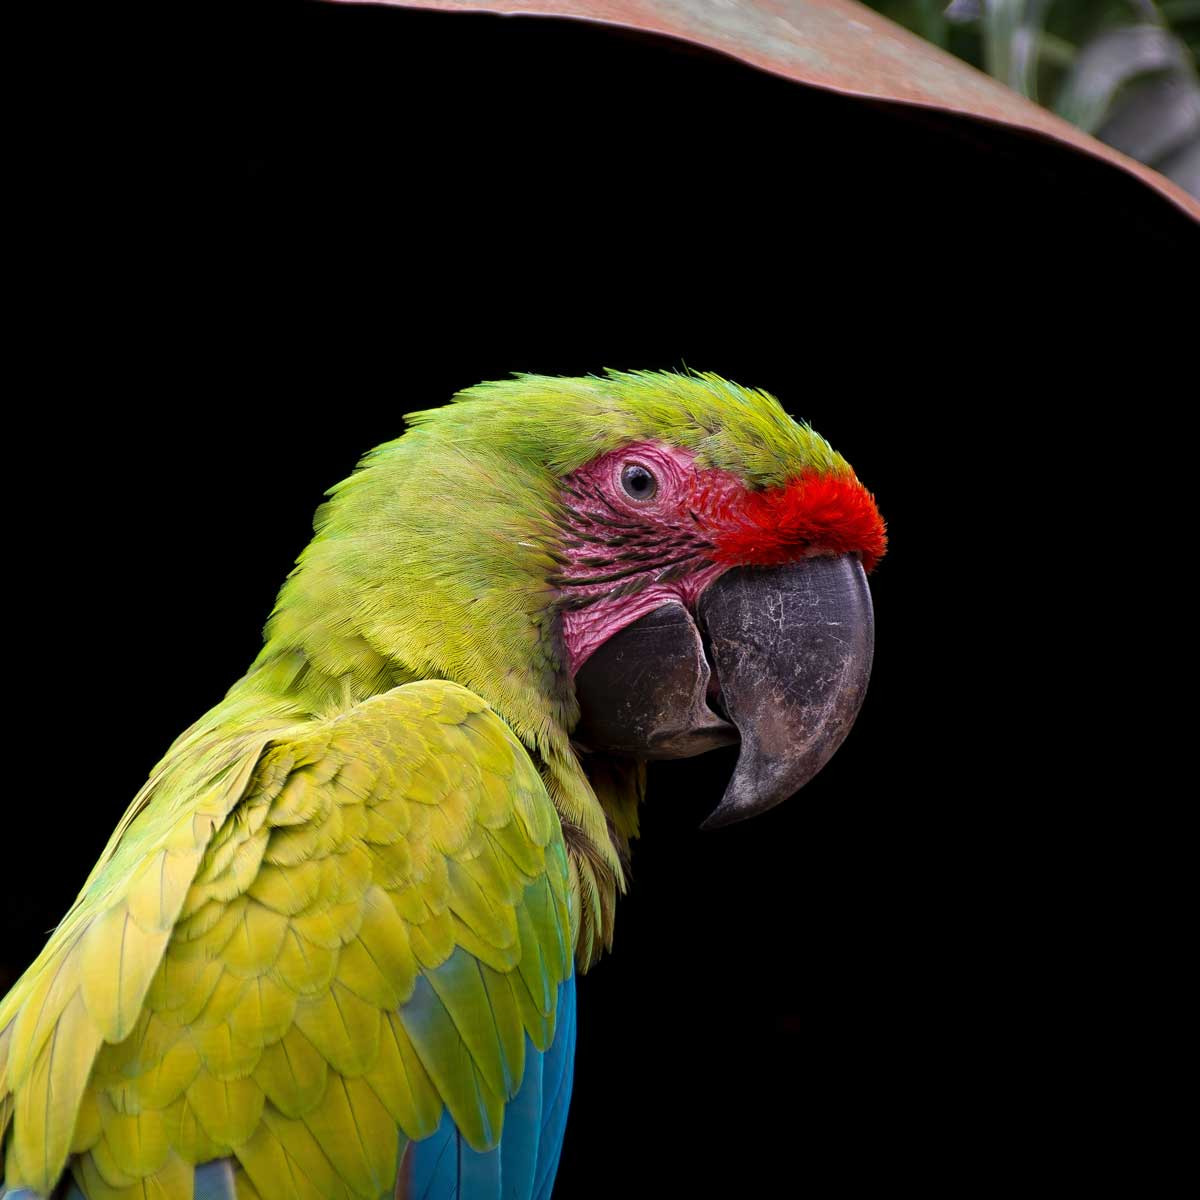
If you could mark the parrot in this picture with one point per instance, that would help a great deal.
(331, 948)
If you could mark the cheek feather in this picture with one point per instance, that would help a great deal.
(830, 513)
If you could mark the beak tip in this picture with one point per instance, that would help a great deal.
(716, 819)
(744, 799)
(792, 648)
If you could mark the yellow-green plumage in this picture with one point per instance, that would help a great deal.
(346, 901)
(244, 989)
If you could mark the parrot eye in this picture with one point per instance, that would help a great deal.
(638, 483)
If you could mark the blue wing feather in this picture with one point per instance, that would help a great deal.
(519, 1155)
(524, 1162)
(214, 1181)
(558, 1076)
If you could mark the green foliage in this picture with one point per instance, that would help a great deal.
(1123, 70)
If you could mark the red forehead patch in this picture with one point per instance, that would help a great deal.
(833, 513)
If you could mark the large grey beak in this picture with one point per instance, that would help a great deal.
(792, 649)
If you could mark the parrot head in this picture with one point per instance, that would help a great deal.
(630, 567)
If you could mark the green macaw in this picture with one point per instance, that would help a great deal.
(330, 949)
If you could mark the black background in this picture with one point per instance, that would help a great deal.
(876, 983)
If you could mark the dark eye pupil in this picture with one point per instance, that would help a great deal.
(638, 482)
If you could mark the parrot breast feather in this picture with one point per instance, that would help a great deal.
(373, 940)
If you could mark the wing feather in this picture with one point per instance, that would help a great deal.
(356, 930)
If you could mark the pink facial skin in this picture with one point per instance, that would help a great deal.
(627, 557)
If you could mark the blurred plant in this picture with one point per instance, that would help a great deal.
(1124, 70)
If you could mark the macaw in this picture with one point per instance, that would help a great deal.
(331, 948)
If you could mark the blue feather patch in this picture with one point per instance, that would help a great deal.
(214, 1181)
(523, 1165)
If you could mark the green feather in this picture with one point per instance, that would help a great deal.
(345, 897)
